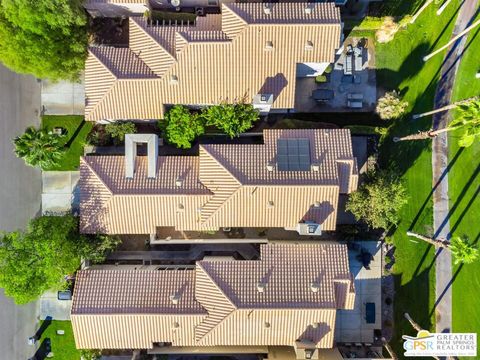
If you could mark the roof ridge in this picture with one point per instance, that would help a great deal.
(220, 164)
(83, 158)
(110, 89)
(134, 19)
(101, 62)
(198, 263)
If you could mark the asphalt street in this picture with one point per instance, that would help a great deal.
(20, 199)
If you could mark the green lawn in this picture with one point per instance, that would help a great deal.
(63, 346)
(400, 66)
(77, 131)
(464, 191)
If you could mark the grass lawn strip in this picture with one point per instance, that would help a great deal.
(77, 130)
(400, 66)
(62, 346)
(464, 193)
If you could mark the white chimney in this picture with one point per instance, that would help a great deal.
(314, 287)
(266, 9)
(131, 141)
(260, 287)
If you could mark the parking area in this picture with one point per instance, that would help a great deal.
(63, 98)
(60, 192)
(351, 326)
(350, 87)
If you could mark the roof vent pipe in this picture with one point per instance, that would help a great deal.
(308, 9)
(174, 299)
(270, 167)
(314, 287)
(179, 182)
(266, 9)
(315, 167)
(260, 287)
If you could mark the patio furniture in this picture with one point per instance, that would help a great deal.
(348, 69)
(322, 95)
(354, 104)
(358, 55)
(370, 313)
(355, 96)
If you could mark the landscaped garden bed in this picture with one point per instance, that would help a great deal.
(74, 135)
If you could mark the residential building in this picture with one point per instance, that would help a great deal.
(293, 181)
(289, 297)
(251, 51)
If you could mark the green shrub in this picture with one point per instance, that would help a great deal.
(329, 69)
(118, 130)
(181, 127)
(232, 119)
(321, 79)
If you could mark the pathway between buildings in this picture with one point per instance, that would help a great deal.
(441, 208)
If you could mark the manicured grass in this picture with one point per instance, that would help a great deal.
(464, 191)
(77, 131)
(400, 66)
(63, 346)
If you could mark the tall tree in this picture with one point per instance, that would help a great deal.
(39, 148)
(462, 250)
(379, 199)
(232, 119)
(391, 106)
(181, 127)
(38, 259)
(467, 117)
(452, 40)
(47, 39)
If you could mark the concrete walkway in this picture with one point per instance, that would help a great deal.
(60, 193)
(441, 208)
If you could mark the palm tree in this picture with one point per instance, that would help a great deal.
(443, 7)
(417, 327)
(419, 11)
(468, 118)
(461, 249)
(453, 40)
(39, 148)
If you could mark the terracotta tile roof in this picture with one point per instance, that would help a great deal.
(220, 304)
(122, 62)
(211, 64)
(286, 13)
(227, 185)
(135, 291)
(280, 271)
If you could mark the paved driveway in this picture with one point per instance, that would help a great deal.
(20, 190)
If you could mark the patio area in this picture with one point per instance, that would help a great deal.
(355, 327)
(351, 85)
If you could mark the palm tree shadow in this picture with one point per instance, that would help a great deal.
(429, 196)
(452, 280)
(458, 200)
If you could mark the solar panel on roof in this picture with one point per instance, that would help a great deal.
(293, 154)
